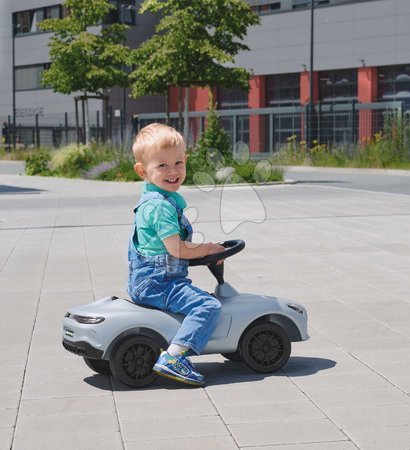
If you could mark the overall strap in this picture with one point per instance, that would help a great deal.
(182, 220)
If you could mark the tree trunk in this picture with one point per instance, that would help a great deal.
(87, 121)
(167, 116)
(186, 117)
(179, 108)
(211, 97)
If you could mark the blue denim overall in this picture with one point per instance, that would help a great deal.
(161, 282)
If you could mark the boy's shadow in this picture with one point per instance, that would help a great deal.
(225, 372)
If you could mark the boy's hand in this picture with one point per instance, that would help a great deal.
(215, 248)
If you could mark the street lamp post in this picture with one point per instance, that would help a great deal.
(13, 69)
(311, 105)
(123, 107)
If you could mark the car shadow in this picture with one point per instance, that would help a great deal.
(224, 372)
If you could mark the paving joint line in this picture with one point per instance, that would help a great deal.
(31, 338)
(223, 421)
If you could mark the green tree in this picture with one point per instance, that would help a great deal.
(195, 44)
(85, 56)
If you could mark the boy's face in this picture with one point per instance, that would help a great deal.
(163, 167)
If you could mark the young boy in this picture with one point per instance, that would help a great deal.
(160, 247)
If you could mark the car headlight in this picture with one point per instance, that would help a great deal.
(296, 308)
(90, 320)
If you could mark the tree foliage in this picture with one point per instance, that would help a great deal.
(85, 57)
(195, 45)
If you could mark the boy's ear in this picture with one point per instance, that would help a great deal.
(139, 170)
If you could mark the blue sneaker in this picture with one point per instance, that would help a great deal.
(178, 368)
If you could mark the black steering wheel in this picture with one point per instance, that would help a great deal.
(232, 247)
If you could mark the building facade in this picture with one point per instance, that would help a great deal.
(361, 57)
(23, 46)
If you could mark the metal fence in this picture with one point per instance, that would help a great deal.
(51, 131)
(266, 130)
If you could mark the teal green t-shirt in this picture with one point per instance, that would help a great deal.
(157, 219)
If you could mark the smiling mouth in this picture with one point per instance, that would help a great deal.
(172, 180)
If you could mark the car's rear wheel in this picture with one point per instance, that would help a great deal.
(265, 347)
(235, 356)
(100, 366)
(133, 359)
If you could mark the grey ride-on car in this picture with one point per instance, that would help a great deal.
(117, 337)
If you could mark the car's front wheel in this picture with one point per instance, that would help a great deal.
(265, 347)
(132, 361)
(100, 366)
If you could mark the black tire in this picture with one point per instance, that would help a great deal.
(236, 356)
(265, 347)
(132, 361)
(100, 366)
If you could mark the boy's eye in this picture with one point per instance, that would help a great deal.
(162, 165)
(179, 163)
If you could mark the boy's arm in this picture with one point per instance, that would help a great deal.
(189, 250)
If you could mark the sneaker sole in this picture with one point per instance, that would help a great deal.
(176, 378)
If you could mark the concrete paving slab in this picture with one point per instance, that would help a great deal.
(345, 254)
(355, 396)
(341, 445)
(394, 438)
(6, 437)
(8, 417)
(199, 443)
(164, 409)
(289, 432)
(98, 440)
(172, 428)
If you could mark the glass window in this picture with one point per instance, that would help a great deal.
(27, 21)
(52, 12)
(267, 8)
(283, 89)
(122, 7)
(232, 98)
(29, 77)
(338, 85)
(305, 3)
(23, 22)
(394, 82)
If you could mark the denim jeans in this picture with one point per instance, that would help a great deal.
(161, 282)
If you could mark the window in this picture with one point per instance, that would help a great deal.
(306, 3)
(29, 77)
(267, 8)
(116, 15)
(394, 82)
(27, 21)
(283, 89)
(232, 98)
(338, 85)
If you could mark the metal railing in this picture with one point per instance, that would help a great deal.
(266, 130)
(50, 131)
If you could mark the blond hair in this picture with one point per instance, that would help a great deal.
(158, 136)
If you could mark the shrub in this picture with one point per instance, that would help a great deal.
(213, 149)
(122, 171)
(38, 163)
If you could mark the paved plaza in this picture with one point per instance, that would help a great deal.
(343, 253)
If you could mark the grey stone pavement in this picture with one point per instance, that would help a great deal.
(345, 254)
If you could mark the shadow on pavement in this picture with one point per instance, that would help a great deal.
(5, 189)
(226, 372)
